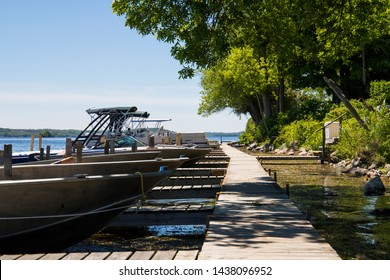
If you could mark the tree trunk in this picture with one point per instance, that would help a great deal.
(267, 104)
(262, 114)
(254, 111)
(281, 90)
(347, 104)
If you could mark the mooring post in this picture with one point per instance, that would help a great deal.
(151, 142)
(32, 142)
(106, 147)
(178, 139)
(1, 157)
(68, 147)
(8, 162)
(275, 177)
(323, 146)
(308, 214)
(269, 172)
(41, 153)
(79, 152)
(134, 146)
(40, 142)
(288, 190)
(112, 146)
(48, 152)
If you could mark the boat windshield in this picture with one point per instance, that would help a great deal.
(127, 141)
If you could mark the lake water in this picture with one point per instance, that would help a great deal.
(23, 144)
(355, 225)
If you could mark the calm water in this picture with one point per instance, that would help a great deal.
(355, 225)
(23, 144)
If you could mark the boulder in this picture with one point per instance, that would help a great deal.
(374, 186)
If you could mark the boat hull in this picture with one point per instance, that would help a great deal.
(34, 171)
(48, 215)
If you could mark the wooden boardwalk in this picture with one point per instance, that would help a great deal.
(254, 219)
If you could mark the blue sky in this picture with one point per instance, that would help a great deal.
(59, 58)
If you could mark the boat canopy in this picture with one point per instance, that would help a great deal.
(108, 123)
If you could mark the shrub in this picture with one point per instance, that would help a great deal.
(304, 133)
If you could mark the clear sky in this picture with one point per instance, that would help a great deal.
(61, 57)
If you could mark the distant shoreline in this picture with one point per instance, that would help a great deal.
(46, 132)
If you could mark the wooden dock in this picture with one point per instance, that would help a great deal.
(252, 219)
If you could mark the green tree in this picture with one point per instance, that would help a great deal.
(239, 82)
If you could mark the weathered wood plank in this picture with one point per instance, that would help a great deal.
(164, 255)
(186, 255)
(97, 256)
(75, 256)
(10, 257)
(142, 255)
(53, 256)
(119, 256)
(31, 257)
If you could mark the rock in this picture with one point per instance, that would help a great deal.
(358, 172)
(375, 186)
(356, 161)
(290, 152)
(252, 146)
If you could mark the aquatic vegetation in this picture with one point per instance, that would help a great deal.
(355, 225)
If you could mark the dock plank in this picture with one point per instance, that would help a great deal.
(31, 257)
(254, 219)
(53, 256)
(97, 256)
(119, 256)
(75, 256)
(142, 255)
(9, 257)
(187, 255)
(164, 255)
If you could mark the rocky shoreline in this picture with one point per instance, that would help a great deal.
(356, 167)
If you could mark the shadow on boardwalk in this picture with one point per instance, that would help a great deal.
(254, 219)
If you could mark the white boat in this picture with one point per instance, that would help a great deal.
(127, 127)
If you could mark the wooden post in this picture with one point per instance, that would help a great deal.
(32, 142)
(323, 146)
(308, 214)
(106, 147)
(1, 157)
(178, 139)
(134, 146)
(48, 152)
(41, 153)
(151, 142)
(112, 146)
(40, 142)
(7, 162)
(68, 147)
(288, 190)
(275, 177)
(269, 172)
(79, 152)
(169, 140)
